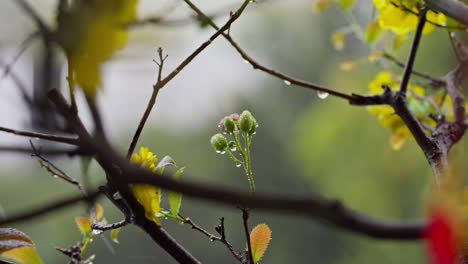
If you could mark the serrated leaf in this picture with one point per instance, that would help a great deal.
(114, 235)
(345, 4)
(175, 198)
(166, 161)
(23, 255)
(259, 239)
(84, 225)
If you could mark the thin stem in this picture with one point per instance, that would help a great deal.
(150, 105)
(265, 69)
(231, 155)
(66, 140)
(212, 237)
(412, 55)
(248, 166)
(435, 81)
(245, 218)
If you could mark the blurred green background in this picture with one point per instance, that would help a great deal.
(303, 145)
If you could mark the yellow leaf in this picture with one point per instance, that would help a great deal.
(84, 225)
(373, 56)
(114, 235)
(24, 255)
(259, 239)
(99, 211)
(321, 4)
(397, 141)
(348, 65)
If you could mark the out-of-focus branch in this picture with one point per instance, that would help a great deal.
(48, 208)
(66, 140)
(452, 8)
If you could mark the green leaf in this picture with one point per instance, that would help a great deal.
(345, 4)
(175, 198)
(372, 32)
(114, 235)
(16, 245)
(259, 239)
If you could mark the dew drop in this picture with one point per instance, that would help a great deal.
(254, 133)
(287, 82)
(222, 152)
(56, 177)
(117, 196)
(96, 232)
(233, 149)
(246, 61)
(238, 165)
(322, 95)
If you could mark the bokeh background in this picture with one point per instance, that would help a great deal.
(304, 144)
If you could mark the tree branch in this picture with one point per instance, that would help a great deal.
(48, 208)
(66, 140)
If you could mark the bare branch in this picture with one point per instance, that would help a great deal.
(150, 105)
(245, 221)
(452, 8)
(412, 55)
(48, 208)
(221, 230)
(55, 171)
(66, 140)
(272, 72)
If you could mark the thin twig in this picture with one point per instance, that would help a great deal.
(60, 139)
(48, 208)
(55, 171)
(220, 229)
(412, 55)
(48, 151)
(245, 220)
(150, 105)
(35, 16)
(434, 81)
(19, 83)
(23, 47)
(265, 69)
(105, 227)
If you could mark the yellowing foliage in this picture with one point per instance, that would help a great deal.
(100, 26)
(259, 239)
(400, 16)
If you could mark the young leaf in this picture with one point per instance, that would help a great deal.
(166, 161)
(345, 4)
(23, 255)
(175, 198)
(16, 245)
(114, 235)
(99, 211)
(259, 239)
(84, 225)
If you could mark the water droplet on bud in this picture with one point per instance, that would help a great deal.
(287, 82)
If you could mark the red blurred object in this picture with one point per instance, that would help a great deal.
(441, 239)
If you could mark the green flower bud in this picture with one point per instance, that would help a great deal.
(229, 125)
(219, 142)
(254, 127)
(246, 121)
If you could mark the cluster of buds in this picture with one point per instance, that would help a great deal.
(233, 124)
